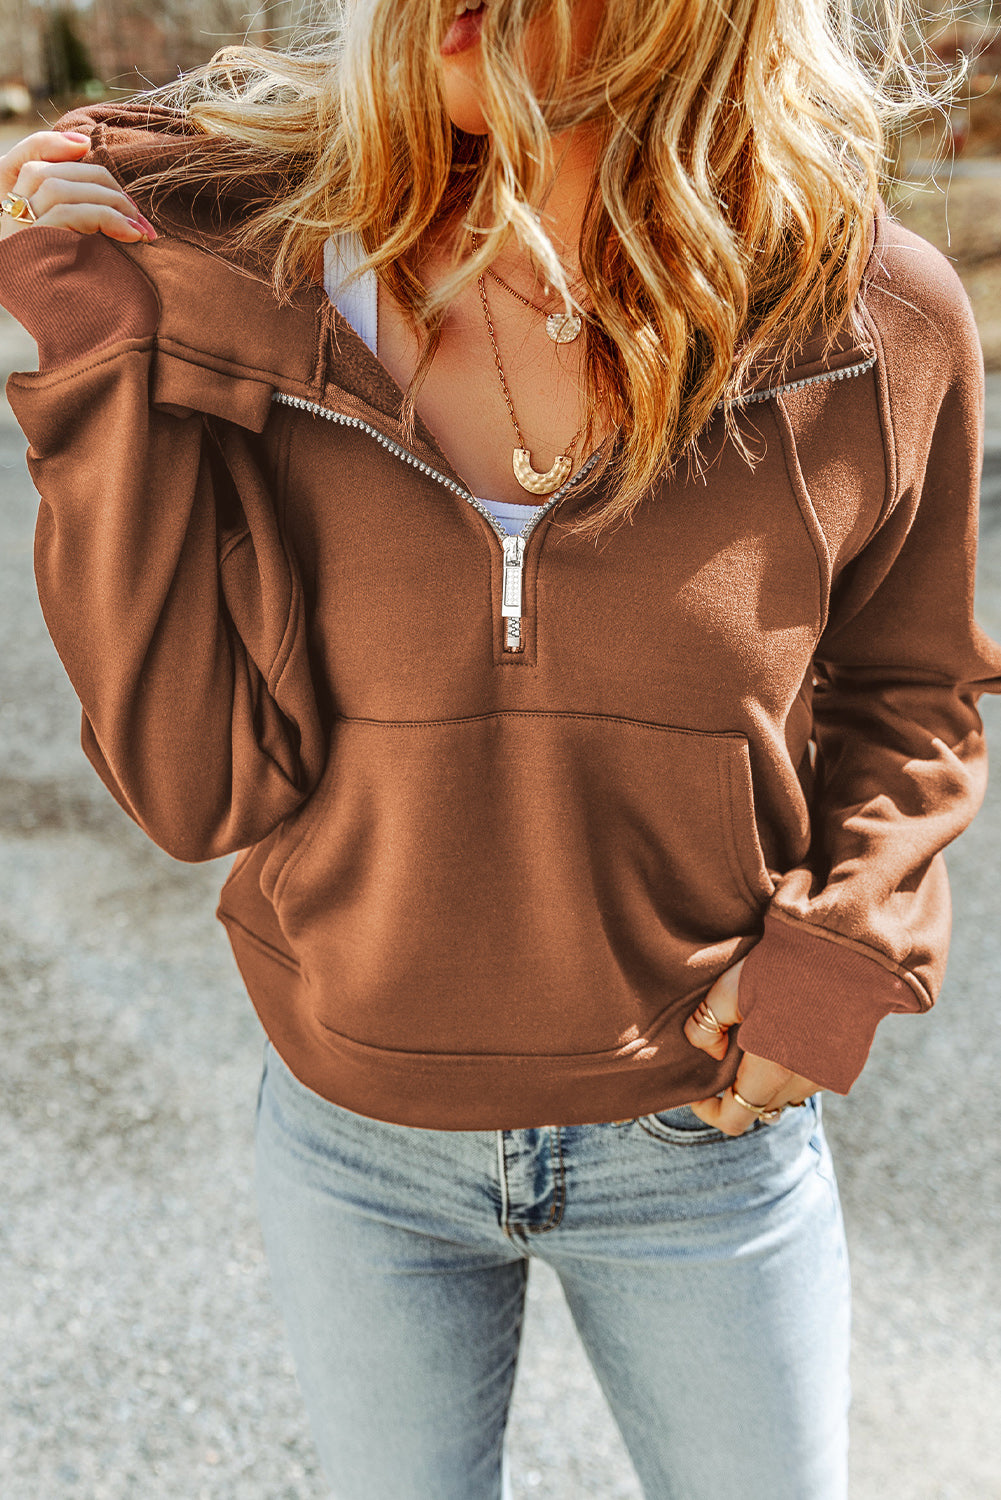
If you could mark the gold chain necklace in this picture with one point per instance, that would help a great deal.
(530, 479)
(562, 327)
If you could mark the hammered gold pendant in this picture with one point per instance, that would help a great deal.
(534, 482)
(563, 328)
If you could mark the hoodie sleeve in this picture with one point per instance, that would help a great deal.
(862, 927)
(160, 565)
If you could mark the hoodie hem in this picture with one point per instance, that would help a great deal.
(478, 1091)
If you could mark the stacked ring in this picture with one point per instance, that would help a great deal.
(762, 1112)
(704, 1017)
(18, 207)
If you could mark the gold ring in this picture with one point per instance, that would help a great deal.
(761, 1110)
(712, 1023)
(18, 207)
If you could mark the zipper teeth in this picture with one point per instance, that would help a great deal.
(417, 463)
(845, 373)
(533, 521)
(794, 385)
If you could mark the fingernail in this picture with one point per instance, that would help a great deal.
(144, 223)
(141, 228)
(75, 135)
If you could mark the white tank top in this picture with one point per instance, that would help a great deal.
(359, 303)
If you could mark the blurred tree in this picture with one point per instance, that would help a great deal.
(135, 43)
(67, 59)
(23, 26)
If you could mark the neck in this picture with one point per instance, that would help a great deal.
(573, 163)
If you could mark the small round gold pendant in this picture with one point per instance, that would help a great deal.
(534, 482)
(563, 328)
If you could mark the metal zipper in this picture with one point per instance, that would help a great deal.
(513, 546)
(795, 385)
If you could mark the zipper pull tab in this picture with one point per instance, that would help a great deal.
(511, 595)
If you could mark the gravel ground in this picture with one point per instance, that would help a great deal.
(141, 1352)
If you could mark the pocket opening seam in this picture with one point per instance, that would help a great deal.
(740, 801)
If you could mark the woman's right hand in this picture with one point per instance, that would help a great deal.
(67, 192)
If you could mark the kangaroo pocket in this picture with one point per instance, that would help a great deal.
(517, 883)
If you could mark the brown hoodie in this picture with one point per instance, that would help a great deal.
(487, 868)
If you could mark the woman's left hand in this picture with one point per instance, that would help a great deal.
(766, 1084)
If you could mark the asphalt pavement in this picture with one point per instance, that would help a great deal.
(141, 1356)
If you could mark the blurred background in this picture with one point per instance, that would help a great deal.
(140, 1355)
(91, 50)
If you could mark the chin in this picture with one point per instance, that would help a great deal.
(462, 95)
(472, 122)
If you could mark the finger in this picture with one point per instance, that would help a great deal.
(43, 145)
(93, 218)
(48, 191)
(34, 172)
(722, 1002)
(755, 1083)
(726, 1114)
(759, 1081)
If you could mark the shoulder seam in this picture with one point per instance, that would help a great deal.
(888, 429)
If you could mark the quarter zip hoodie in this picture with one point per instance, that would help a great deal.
(505, 812)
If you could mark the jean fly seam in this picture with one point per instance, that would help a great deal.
(559, 1188)
(505, 1200)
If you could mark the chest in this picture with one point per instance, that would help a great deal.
(712, 595)
(478, 419)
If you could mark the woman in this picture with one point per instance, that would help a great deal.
(529, 826)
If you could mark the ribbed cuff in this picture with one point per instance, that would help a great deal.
(74, 293)
(812, 1003)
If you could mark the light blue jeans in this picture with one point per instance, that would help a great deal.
(707, 1276)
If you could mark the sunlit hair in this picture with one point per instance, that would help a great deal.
(741, 147)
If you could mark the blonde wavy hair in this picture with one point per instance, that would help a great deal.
(742, 146)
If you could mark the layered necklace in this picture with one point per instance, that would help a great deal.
(562, 328)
